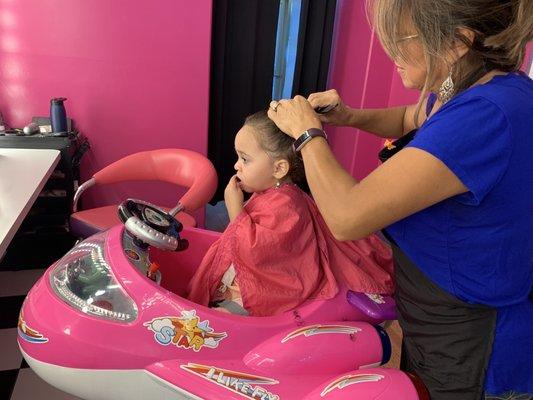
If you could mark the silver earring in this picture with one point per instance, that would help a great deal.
(447, 89)
(278, 184)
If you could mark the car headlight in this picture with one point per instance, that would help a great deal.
(83, 280)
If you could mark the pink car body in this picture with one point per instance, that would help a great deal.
(166, 347)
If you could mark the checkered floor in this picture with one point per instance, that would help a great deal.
(17, 380)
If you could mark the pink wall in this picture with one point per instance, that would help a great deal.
(362, 74)
(366, 78)
(136, 74)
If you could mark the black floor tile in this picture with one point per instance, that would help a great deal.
(7, 383)
(9, 311)
(24, 364)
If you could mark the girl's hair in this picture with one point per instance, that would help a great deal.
(277, 145)
(502, 29)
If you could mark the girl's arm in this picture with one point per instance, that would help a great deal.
(234, 198)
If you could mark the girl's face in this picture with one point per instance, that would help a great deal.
(254, 167)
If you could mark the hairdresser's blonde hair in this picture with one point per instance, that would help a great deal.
(502, 29)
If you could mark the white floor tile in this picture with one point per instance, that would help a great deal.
(30, 386)
(16, 283)
(10, 356)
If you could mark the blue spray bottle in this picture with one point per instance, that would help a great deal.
(58, 115)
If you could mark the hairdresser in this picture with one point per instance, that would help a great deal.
(454, 194)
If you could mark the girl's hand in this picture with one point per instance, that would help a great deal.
(234, 198)
(294, 116)
(338, 115)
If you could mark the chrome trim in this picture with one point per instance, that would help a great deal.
(81, 189)
(149, 235)
(179, 207)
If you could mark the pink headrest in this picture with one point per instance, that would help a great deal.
(181, 167)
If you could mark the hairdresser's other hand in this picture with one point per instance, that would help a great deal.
(338, 115)
(294, 116)
(234, 198)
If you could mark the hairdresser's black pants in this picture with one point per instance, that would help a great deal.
(446, 341)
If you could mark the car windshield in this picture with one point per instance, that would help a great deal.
(83, 278)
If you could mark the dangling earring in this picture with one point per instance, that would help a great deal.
(278, 184)
(447, 89)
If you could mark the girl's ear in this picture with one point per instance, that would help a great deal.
(281, 168)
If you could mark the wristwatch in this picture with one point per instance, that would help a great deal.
(306, 137)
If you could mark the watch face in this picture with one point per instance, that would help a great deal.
(154, 217)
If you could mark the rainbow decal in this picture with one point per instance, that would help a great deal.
(238, 382)
(348, 380)
(28, 334)
(321, 330)
(187, 331)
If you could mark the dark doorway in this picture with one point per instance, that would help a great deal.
(242, 64)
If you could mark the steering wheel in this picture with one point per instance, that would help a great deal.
(152, 225)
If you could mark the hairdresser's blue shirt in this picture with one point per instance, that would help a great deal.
(478, 245)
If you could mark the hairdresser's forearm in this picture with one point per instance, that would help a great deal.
(384, 122)
(330, 185)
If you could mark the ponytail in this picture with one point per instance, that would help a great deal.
(511, 42)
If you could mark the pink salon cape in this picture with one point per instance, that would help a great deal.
(284, 254)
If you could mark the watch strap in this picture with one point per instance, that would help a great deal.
(305, 137)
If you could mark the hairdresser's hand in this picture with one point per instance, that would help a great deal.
(294, 116)
(338, 115)
(234, 198)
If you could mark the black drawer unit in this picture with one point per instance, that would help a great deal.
(44, 235)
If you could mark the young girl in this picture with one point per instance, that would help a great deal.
(277, 251)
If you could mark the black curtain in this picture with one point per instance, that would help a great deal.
(314, 46)
(242, 68)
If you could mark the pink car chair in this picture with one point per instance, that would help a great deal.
(178, 166)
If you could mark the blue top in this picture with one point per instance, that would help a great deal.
(478, 245)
